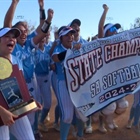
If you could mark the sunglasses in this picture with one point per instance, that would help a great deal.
(113, 29)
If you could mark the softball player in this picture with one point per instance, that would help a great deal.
(65, 103)
(7, 43)
(42, 70)
(105, 31)
(54, 80)
(57, 108)
(54, 87)
(75, 24)
(25, 55)
(23, 49)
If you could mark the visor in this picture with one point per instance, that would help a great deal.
(66, 30)
(4, 31)
(108, 26)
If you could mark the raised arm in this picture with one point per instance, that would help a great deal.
(10, 14)
(42, 15)
(44, 28)
(102, 21)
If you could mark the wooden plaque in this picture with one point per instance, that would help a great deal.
(14, 94)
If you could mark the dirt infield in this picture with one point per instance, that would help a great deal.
(120, 134)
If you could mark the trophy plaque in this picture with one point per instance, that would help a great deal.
(14, 94)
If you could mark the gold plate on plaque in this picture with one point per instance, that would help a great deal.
(5, 68)
(25, 108)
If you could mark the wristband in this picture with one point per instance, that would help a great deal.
(45, 27)
(61, 56)
(42, 14)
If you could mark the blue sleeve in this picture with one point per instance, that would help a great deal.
(33, 34)
(29, 43)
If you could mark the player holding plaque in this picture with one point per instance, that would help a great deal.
(23, 49)
(11, 92)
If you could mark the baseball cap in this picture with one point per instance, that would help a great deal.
(5, 30)
(75, 21)
(66, 30)
(109, 25)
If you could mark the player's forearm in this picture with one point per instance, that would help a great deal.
(10, 14)
(101, 24)
(59, 57)
(41, 14)
(42, 18)
(40, 35)
(44, 28)
(1, 110)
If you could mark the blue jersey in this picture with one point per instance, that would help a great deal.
(42, 61)
(59, 65)
(24, 54)
(81, 41)
(34, 33)
(15, 60)
(49, 45)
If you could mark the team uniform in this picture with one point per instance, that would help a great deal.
(24, 54)
(48, 47)
(63, 95)
(64, 101)
(67, 108)
(88, 123)
(53, 84)
(57, 108)
(42, 71)
(81, 41)
(120, 105)
(21, 129)
(53, 73)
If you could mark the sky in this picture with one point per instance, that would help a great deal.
(88, 11)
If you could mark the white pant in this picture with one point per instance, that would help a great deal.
(32, 87)
(44, 90)
(21, 129)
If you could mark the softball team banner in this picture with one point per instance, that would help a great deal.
(103, 70)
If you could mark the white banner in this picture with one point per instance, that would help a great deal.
(103, 70)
